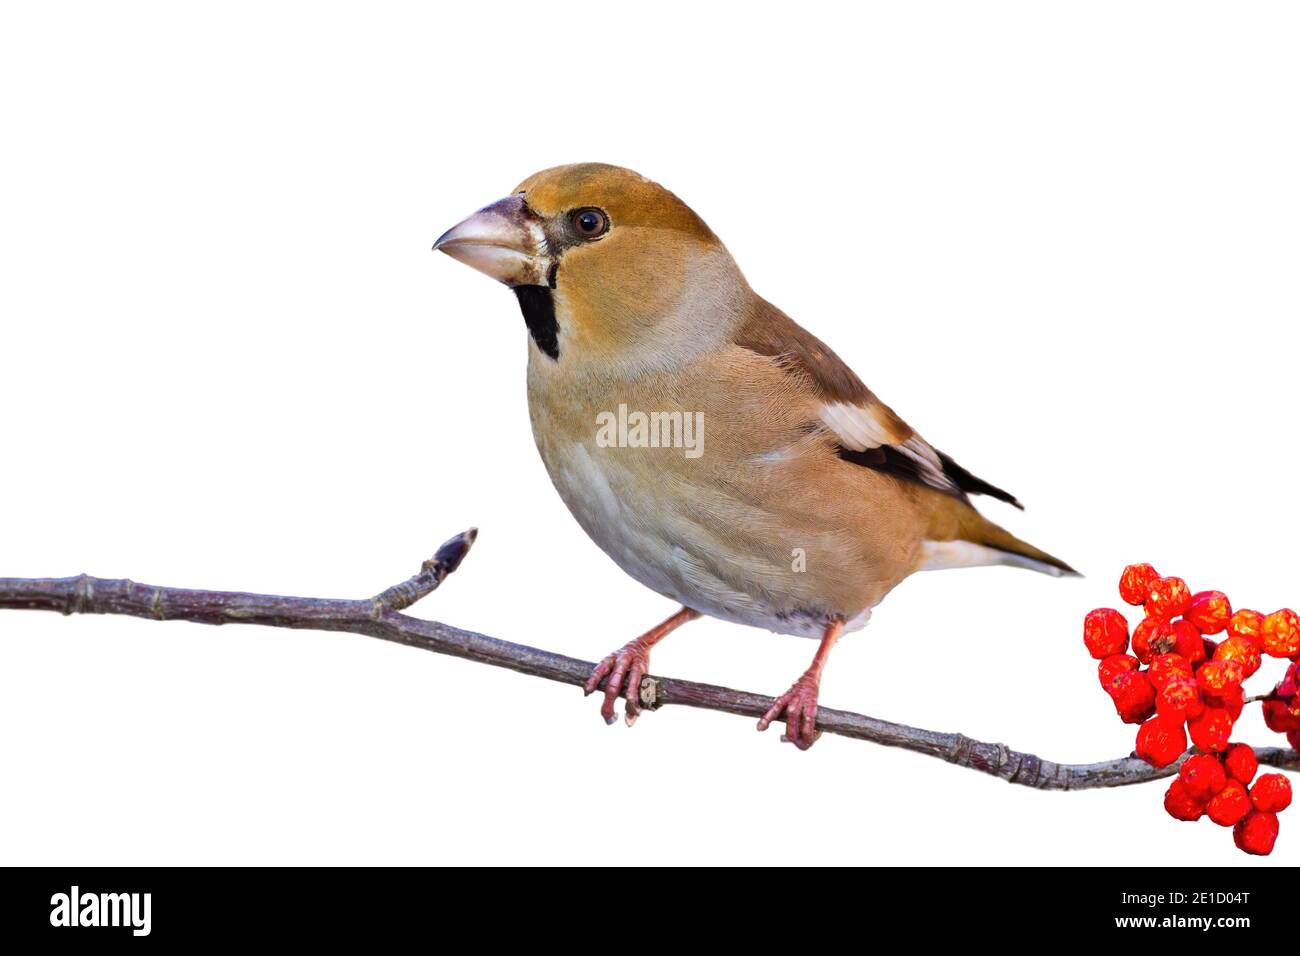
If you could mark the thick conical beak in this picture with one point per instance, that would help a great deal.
(504, 240)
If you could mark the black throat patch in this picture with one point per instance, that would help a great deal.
(538, 306)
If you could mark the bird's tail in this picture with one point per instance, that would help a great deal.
(960, 537)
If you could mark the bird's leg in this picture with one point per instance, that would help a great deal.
(627, 665)
(799, 703)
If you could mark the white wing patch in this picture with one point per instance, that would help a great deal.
(857, 427)
(860, 428)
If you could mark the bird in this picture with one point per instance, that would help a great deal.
(718, 452)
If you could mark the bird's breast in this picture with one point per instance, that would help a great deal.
(706, 502)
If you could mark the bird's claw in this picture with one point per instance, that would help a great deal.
(799, 707)
(624, 670)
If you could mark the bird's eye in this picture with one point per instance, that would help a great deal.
(590, 223)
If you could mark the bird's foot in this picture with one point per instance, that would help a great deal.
(624, 669)
(799, 706)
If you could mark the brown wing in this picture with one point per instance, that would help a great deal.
(869, 433)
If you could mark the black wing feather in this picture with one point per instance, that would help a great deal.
(890, 461)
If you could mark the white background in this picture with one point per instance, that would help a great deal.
(1060, 240)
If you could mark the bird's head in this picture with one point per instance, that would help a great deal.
(609, 267)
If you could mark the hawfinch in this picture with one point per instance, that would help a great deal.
(721, 454)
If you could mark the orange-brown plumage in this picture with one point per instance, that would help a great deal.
(630, 199)
(809, 498)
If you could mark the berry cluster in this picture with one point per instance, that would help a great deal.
(1178, 682)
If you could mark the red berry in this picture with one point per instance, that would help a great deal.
(1240, 763)
(1209, 611)
(1248, 624)
(1211, 731)
(1293, 738)
(1229, 805)
(1180, 698)
(1188, 641)
(1234, 703)
(1167, 667)
(1161, 741)
(1271, 793)
(1282, 716)
(1168, 597)
(1256, 834)
(1112, 665)
(1242, 651)
(1135, 583)
(1289, 686)
(1203, 776)
(1219, 678)
(1105, 632)
(1180, 804)
(1281, 633)
(1134, 696)
(1152, 636)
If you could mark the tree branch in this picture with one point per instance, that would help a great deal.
(381, 617)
